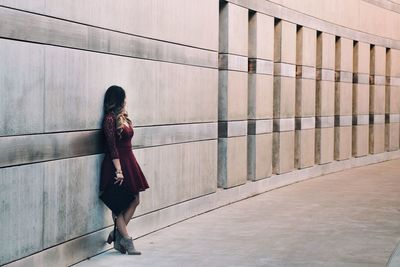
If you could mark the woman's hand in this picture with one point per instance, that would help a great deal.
(119, 178)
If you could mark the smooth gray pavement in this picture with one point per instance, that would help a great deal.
(350, 218)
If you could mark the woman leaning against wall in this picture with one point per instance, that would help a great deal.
(121, 177)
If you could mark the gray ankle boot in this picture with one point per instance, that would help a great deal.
(117, 244)
(127, 244)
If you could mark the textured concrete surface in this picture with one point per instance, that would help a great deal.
(349, 218)
(189, 68)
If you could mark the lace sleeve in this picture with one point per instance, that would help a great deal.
(110, 134)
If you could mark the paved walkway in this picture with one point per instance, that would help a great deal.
(350, 218)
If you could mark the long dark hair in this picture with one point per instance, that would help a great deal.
(114, 102)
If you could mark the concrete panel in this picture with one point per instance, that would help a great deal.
(305, 97)
(67, 90)
(21, 88)
(233, 62)
(325, 98)
(343, 98)
(392, 96)
(361, 58)
(325, 51)
(360, 140)
(361, 68)
(233, 29)
(393, 68)
(172, 92)
(232, 128)
(306, 47)
(260, 66)
(196, 24)
(177, 173)
(285, 42)
(283, 152)
(71, 189)
(260, 126)
(232, 96)
(378, 60)
(376, 138)
(261, 36)
(305, 148)
(324, 122)
(392, 99)
(286, 124)
(284, 97)
(77, 80)
(232, 161)
(343, 142)
(377, 99)
(259, 156)
(344, 54)
(176, 133)
(260, 97)
(360, 99)
(392, 136)
(324, 145)
(21, 220)
(306, 72)
(28, 149)
(284, 69)
(37, 6)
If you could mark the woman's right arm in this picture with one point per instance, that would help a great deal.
(110, 130)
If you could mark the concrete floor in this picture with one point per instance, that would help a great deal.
(349, 218)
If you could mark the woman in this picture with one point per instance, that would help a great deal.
(119, 166)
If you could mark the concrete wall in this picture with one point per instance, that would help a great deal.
(229, 99)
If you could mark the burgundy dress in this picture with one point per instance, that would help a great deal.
(134, 178)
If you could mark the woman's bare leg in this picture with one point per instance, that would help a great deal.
(128, 213)
(124, 218)
(122, 226)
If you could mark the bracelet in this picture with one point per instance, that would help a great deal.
(116, 172)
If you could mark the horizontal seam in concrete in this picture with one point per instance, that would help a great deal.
(257, 58)
(87, 155)
(108, 29)
(235, 70)
(135, 127)
(110, 54)
(86, 47)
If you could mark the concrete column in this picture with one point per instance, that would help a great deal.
(305, 97)
(325, 98)
(377, 100)
(284, 96)
(260, 96)
(360, 99)
(232, 95)
(392, 96)
(343, 98)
